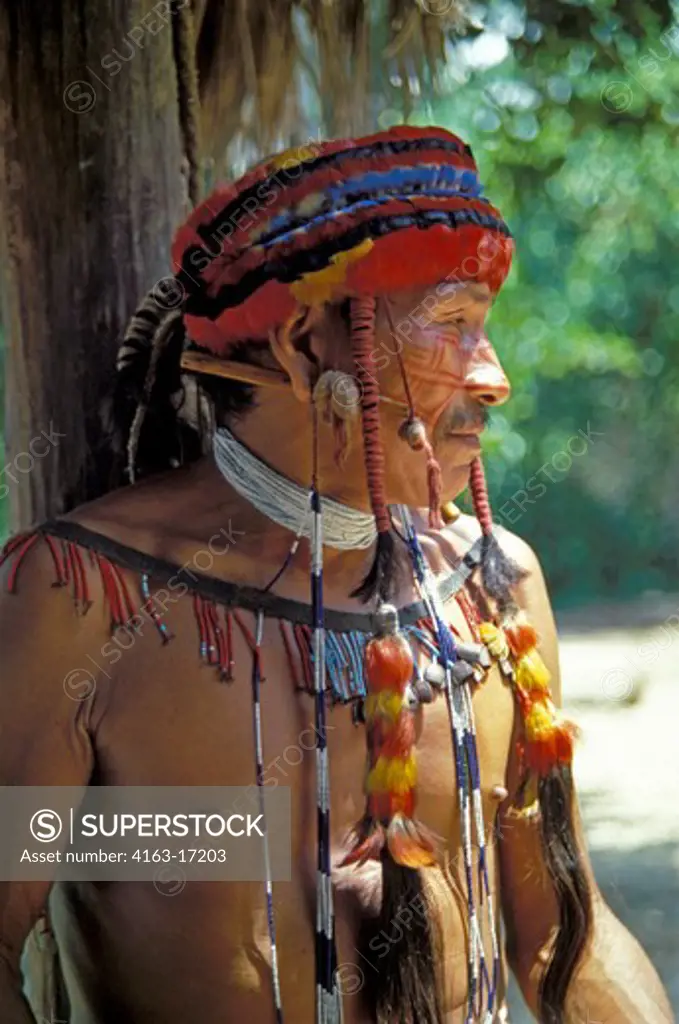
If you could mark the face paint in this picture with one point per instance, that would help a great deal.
(449, 363)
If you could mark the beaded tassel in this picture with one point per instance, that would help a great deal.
(149, 608)
(216, 647)
(345, 659)
(482, 867)
(68, 559)
(75, 574)
(345, 673)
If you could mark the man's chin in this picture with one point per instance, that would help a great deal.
(415, 493)
(455, 480)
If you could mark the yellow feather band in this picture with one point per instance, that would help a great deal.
(290, 158)
(387, 703)
(392, 775)
(541, 721)
(319, 286)
(494, 639)
(532, 673)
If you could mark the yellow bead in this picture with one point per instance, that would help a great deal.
(488, 631)
(450, 512)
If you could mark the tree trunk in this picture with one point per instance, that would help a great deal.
(91, 188)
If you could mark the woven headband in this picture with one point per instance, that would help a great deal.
(346, 218)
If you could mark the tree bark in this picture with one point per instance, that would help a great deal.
(91, 188)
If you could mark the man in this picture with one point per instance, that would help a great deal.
(377, 404)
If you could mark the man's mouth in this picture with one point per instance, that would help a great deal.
(471, 438)
(463, 426)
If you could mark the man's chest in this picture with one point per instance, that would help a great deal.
(169, 719)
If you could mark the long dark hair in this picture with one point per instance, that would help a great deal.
(403, 942)
(147, 416)
(401, 945)
(571, 887)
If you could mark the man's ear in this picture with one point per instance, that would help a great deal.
(284, 340)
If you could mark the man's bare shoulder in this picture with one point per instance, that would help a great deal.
(532, 589)
(170, 515)
(531, 592)
(135, 514)
(454, 540)
(444, 548)
(467, 529)
(186, 512)
(131, 516)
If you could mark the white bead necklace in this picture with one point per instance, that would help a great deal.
(287, 503)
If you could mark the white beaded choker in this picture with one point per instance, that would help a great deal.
(286, 502)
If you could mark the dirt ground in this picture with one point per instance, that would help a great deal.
(621, 683)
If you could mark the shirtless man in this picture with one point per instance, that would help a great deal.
(129, 953)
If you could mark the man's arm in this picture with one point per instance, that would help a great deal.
(615, 982)
(44, 726)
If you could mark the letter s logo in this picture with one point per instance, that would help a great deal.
(46, 826)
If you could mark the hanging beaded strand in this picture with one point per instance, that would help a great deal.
(328, 998)
(449, 662)
(255, 644)
(458, 675)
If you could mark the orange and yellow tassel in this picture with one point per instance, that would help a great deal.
(549, 736)
(392, 771)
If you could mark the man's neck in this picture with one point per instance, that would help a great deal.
(279, 431)
(205, 503)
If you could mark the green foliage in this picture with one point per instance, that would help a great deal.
(576, 142)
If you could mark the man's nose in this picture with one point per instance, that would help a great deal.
(484, 379)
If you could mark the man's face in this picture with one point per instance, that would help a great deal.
(436, 340)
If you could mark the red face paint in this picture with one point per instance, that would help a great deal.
(441, 362)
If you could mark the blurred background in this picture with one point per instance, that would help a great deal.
(572, 111)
